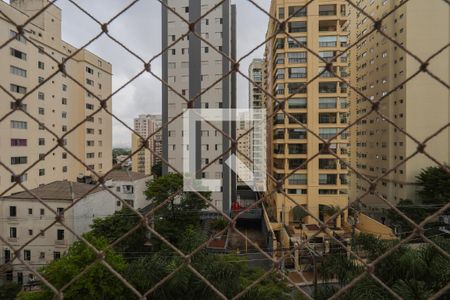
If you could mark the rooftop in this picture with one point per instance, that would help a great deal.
(57, 190)
(124, 175)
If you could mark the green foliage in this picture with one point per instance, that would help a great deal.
(120, 151)
(97, 283)
(435, 185)
(8, 291)
(115, 226)
(157, 169)
(434, 192)
(219, 224)
(412, 273)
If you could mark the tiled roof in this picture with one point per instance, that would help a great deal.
(124, 175)
(57, 190)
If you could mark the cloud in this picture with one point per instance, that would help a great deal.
(139, 28)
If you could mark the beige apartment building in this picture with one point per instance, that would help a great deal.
(58, 103)
(244, 147)
(321, 186)
(144, 160)
(420, 107)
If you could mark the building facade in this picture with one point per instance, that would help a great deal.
(255, 102)
(144, 160)
(190, 67)
(58, 102)
(320, 186)
(23, 217)
(420, 107)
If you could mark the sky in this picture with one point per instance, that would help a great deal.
(139, 28)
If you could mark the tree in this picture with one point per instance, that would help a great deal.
(435, 185)
(412, 273)
(117, 225)
(434, 192)
(8, 291)
(157, 169)
(97, 283)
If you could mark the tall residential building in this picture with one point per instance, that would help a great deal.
(320, 186)
(145, 126)
(55, 101)
(244, 148)
(190, 67)
(420, 107)
(255, 102)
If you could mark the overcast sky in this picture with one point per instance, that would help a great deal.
(140, 30)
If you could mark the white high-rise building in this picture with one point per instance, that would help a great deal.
(191, 67)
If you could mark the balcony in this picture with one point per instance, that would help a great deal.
(327, 10)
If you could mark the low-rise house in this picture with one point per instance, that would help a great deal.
(24, 218)
(129, 186)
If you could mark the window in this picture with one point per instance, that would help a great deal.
(42, 212)
(297, 148)
(18, 54)
(41, 172)
(41, 96)
(327, 133)
(19, 160)
(18, 142)
(30, 211)
(298, 179)
(27, 255)
(17, 89)
(327, 118)
(297, 42)
(327, 10)
(325, 179)
(89, 81)
(64, 87)
(13, 232)
(41, 65)
(297, 133)
(64, 101)
(19, 124)
(297, 27)
(22, 178)
(90, 130)
(17, 36)
(297, 57)
(325, 103)
(64, 169)
(297, 72)
(60, 234)
(327, 41)
(41, 111)
(89, 106)
(40, 79)
(327, 164)
(56, 255)
(13, 211)
(89, 70)
(281, 13)
(327, 87)
(64, 115)
(296, 103)
(297, 11)
(18, 71)
(90, 155)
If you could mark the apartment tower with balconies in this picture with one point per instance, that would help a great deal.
(55, 101)
(317, 180)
